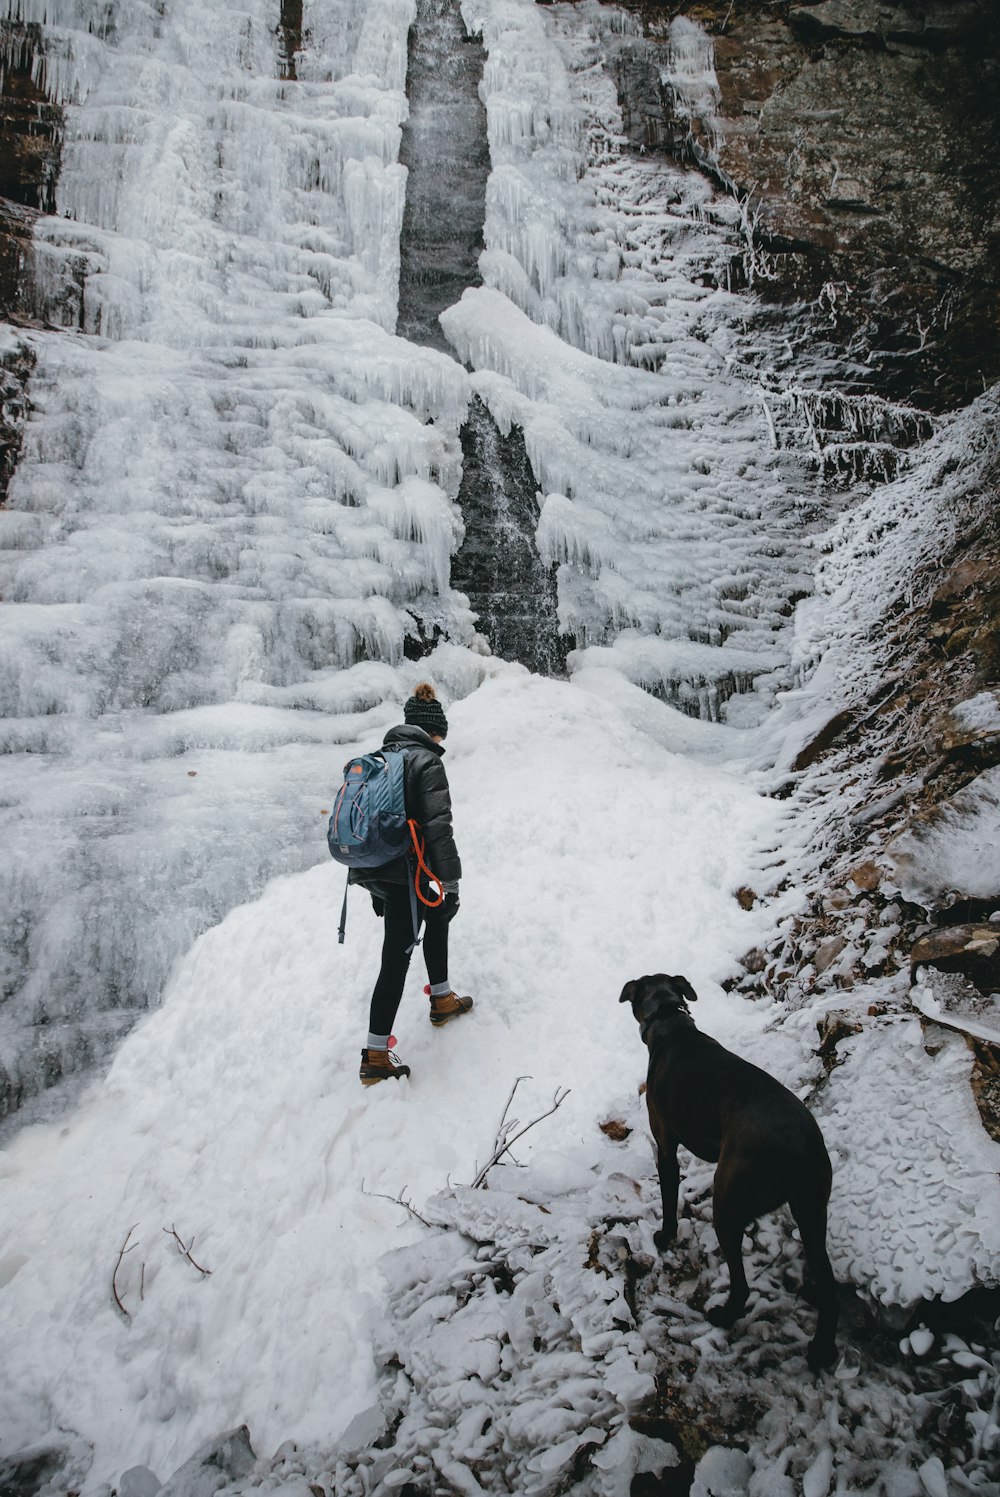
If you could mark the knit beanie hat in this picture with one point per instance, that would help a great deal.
(423, 710)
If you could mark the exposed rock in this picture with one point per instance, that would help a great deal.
(827, 953)
(928, 23)
(835, 1026)
(616, 1130)
(973, 950)
(497, 566)
(745, 897)
(754, 960)
(51, 1468)
(226, 1458)
(291, 36)
(17, 360)
(827, 736)
(866, 876)
(864, 139)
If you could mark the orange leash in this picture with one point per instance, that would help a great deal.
(422, 868)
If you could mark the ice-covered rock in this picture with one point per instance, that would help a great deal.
(218, 1463)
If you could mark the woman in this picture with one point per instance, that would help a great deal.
(428, 802)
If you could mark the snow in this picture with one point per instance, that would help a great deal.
(957, 855)
(234, 1113)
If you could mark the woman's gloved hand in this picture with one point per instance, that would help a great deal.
(450, 907)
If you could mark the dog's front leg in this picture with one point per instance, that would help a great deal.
(669, 1172)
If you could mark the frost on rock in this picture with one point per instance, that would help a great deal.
(604, 330)
(915, 1210)
(956, 854)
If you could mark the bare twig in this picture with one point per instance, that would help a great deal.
(399, 1200)
(506, 1139)
(114, 1277)
(185, 1250)
(142, 1281)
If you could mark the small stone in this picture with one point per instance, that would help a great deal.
(921, 1341)
(932, 1477)
(616, 1130)
(867, 876)
(139, 1481)
(754, 960)
(827, 952)
(745, 897)
(973, 950)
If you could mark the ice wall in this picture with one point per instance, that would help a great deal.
(235, 499)
(605, 330)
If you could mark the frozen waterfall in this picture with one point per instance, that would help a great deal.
(234, 501)
(235, 526)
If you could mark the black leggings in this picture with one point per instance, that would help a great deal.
(396, 958)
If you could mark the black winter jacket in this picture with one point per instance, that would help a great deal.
(428, 802)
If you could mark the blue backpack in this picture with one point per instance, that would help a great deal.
(368, 827)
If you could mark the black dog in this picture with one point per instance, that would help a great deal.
(768, 1145)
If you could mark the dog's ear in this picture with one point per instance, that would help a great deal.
(685, 989)
(628, 993)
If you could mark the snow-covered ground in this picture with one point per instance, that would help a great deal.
(599, 844)
(235, 1113)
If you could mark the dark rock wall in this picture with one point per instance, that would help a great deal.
(447, 157)
(31, 133)
(446, 152)
(498, 566)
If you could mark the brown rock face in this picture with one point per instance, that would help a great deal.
(973, 950)
(864, 139)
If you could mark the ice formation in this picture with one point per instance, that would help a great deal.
(236, 488)
(603, 331)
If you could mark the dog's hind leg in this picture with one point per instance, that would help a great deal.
(810, 1216)
(730, 1214)
(669, 1172)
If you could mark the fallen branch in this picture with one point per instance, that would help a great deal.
(114, 1277)
(185, 1251)
(399, 1200)
(506, 1138)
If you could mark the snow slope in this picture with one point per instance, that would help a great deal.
(236, 1115)
(594, 852)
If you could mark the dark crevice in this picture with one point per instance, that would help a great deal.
(31, 129)
(291, 37)
(446, 153)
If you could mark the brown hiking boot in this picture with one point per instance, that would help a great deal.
(448, 1006)
(380, 1065)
